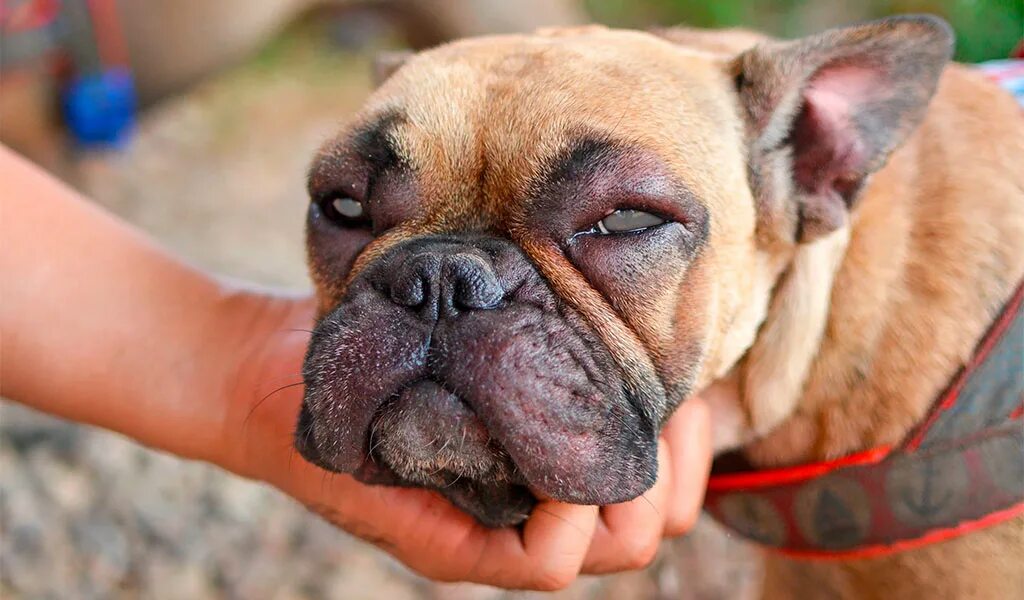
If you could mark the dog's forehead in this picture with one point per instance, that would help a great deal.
(480, 119)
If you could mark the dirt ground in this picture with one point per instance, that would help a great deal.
(217, 177)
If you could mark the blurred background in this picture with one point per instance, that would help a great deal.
(195, 120)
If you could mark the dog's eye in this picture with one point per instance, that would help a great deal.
(626, 220)
(344, 211)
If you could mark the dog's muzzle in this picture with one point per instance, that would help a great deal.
(451, 365)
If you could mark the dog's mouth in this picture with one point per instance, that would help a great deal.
(425, 436)
(481, 404)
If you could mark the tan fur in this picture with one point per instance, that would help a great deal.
(838, 344)
(939, 243)
(773, 381)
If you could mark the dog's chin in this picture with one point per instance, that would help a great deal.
(493, 504)
(428, 437)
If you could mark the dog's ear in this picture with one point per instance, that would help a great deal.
(387, 62)
(824, 112)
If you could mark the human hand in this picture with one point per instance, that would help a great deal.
(419, 527)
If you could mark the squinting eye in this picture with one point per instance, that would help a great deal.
(625, 220)
(344, 211)
(347, 207)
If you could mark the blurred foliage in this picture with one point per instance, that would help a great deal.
(986, 29)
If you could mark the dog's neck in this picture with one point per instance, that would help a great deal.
(867, 326)
(934, 250)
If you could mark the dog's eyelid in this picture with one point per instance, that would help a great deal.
(349, 186)
(628, 220)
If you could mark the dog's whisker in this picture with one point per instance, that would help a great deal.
(651, 504)
(285, 377)
(245, 421)
(561, 518)
(305, 439)
(374, 444)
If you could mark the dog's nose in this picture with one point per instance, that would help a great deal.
(445, 281)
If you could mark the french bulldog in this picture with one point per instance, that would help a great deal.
(529, 249)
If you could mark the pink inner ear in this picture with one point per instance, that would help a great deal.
(829, 151)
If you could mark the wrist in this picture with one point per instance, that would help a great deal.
(259, 371)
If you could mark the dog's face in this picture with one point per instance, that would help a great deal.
(528, 250)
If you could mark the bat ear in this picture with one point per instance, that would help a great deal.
(824, 112)
(386, 63)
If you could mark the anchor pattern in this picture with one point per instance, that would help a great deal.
(928, 489)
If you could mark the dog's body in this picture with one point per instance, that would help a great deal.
(937, 247)
(825, 240)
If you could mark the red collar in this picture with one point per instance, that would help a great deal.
(960, 470)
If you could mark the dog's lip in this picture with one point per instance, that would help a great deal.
(458, 490)
(374, 469)
(442, 477)
(462, 497)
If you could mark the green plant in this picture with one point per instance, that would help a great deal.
(986, 29)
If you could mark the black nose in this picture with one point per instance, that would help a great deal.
(443, 279)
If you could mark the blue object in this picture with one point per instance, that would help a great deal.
(1008, 73)
(99, 108)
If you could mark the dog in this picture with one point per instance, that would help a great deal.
(529, 249)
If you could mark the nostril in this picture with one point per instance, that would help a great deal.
(408, 289)
(477, 293)
(473, 283)
(415, 280)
